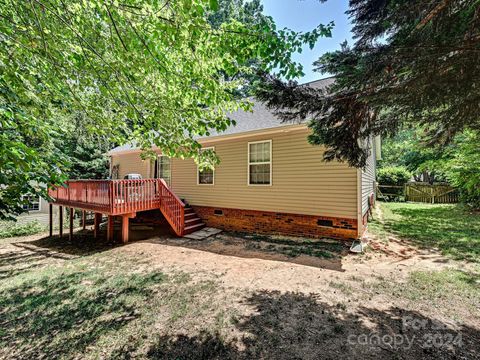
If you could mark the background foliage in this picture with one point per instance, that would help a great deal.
(458, 163)
(413, 64)
(393, 175)
(150, 72)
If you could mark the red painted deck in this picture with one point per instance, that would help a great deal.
(122, 198)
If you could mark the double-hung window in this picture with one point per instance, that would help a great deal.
(260, 163)
(164, 169)
(205, 176)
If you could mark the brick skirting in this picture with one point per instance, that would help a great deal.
(278, 223)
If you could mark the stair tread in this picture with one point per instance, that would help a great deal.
(192, 220)
(194, 226)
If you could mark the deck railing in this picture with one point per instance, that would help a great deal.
(117, 197)
(172, 208)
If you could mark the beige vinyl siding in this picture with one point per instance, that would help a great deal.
(301, 182)
(131, 163)
(368, 179)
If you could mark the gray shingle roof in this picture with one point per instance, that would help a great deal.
(260, 118)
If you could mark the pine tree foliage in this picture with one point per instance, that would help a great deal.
(414, 63)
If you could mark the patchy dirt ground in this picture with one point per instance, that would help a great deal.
(239, 296)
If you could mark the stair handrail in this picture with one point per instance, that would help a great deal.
(175, 214)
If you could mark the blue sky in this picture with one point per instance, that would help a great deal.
(304, 15)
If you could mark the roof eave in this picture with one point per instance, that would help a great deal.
(225, 137)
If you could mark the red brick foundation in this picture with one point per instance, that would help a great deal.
(278, 223)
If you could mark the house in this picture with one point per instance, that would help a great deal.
(35, 210)
(270, 180)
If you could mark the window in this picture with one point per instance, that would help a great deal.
(206, 176)
(31, 203)
(164, 170)
(115, 171)
(260, 163)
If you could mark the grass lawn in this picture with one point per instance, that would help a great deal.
(95, 306)
(452, 229)
(169, 299)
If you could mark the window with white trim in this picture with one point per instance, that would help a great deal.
(31, 203)
(164, 170)
(205, 176)
(260, 163)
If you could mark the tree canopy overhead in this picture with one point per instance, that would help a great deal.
(154, 72)
(414, 63)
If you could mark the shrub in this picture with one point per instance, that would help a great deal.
(12, 228)
(393, 175)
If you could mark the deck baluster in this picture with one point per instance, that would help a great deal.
(120, 197)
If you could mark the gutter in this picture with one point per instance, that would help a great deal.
(226, 137)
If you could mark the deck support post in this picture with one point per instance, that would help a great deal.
(60, 220)
(125, 221)
(84, 219)
(70, 234)
(96, 224)
(110, 227)
(50, 219)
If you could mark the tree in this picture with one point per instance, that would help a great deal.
(246, 12)
(251, 14)
(460, 164)
(28, 158)
(414, 63)
(86, 152)
(407, 149)
(456, 163)
(149, 71)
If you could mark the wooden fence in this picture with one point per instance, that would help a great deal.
(435, 194)
(419, 192)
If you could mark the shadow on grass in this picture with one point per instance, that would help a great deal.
(62, 314)
(29, 255)
(449, 228)
(13, 263)
(83, 242)
(297, 326)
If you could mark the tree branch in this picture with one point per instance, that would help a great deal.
(432, 14)
(115, 27)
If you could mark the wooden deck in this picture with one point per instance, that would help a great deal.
(120, 198)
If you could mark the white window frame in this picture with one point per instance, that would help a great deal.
(158, 168)
(33, 210)
(198, 170)
(259, 163)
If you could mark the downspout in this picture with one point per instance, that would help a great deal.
(359, 204)
(110, 166)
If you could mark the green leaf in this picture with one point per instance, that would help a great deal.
(214, 5)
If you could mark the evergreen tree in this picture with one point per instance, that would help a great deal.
(414, 63)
